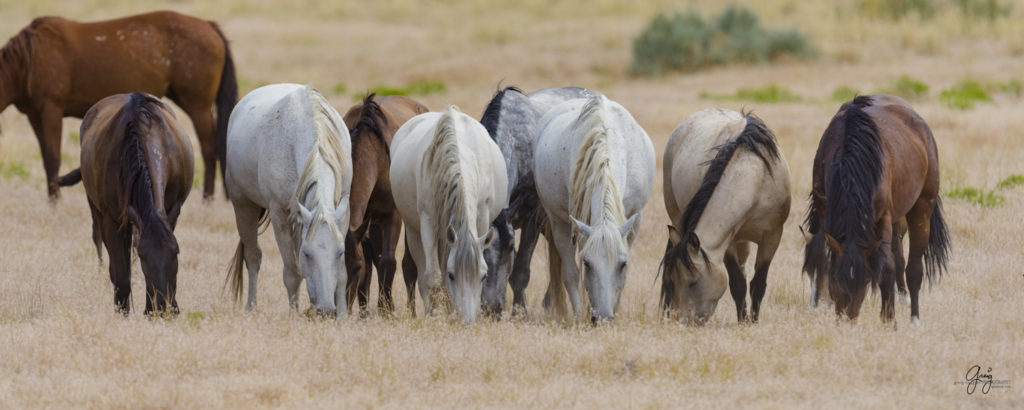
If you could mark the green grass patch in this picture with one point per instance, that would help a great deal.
(844, 93)
(13, 170)
(73, 136)
(770, 93)
(976, 196)
(907, 87)
(990, 10)
(418, 87)
(681, 41)
(1011, 181)
(898, 9)
(338, 89)
(964, 95)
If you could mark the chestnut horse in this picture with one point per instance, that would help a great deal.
(374, 221)
(137, 171)
(876, 165)
(56, 68)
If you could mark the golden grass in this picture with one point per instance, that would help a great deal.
(64, 346)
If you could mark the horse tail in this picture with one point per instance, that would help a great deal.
(234, 277)
(852, 180)
(70, 178)
(373, 121)
(492, 114)
(227, 97)
(760, 141)
(937, 253)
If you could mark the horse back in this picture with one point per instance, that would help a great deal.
(911, 156)
(80, 63)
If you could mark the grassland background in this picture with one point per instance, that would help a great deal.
(61, 344)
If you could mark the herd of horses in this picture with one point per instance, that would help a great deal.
(566, 162)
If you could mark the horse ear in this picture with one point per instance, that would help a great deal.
(673, 236)
(807, 236)
(693, 242)
(584, 229)
(626, 227)
(833, 244)
(485, 241)
(451, 235)
(870, 249)
(303, 212)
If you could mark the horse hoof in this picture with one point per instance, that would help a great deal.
(915, 321)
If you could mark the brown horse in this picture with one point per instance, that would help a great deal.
(56, 68)
(374, 221)
(876, 173)
(137, 171)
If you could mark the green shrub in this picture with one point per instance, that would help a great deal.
(843, 93)
(984, 9)
(1011, 181)
(768, 94)
(898, 9)
(907, 87)
(964, 94)
(686, 42)
(987, 199)
(418, 87)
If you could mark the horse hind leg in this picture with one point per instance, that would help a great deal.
(919, 224)
(248, 219)
(386, 263)
(899, 262)
(521, 266)
(409, 274)
(118, 242)
(734, 260)
(205, 125)
(364, 280)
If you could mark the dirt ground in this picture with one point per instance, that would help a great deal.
(63, 345)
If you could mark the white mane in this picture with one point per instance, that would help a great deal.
(447, 183)
(327, 148)
(593, 183)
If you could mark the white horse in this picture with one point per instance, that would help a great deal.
(449, 183)
(726, 186)
(594, 168)
(289, 153)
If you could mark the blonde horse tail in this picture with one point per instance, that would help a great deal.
(234, 277)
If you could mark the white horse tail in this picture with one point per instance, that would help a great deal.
(592, 173)
(234, 277)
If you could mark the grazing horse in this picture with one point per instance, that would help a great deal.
(374, 223)
(594, 169)
(876, 173)
(511, 119)
(726, 187)
(289, 160)
(137, 171)
(449, 182)
(56, 68)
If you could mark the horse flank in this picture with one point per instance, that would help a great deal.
(326, 147)
(851, 182)
(371, 121)
(442, 159)
(137, 118)
(760, 141)
(592, 172)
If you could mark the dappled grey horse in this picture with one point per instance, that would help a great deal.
(511, 119)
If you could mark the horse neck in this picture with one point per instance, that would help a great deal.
(370, 165)
(594, 181)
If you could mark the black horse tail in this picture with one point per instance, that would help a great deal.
(936, 255)
(227, 97)
(760, 141)
(70, 178)
(816, 255)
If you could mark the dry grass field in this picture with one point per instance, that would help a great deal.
(62, 345)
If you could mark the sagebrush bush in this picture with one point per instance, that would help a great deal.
(684, 41)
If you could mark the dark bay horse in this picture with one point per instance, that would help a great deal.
(57, 68)
(876, 173)
(374, 222)
(511, 118)
(137, 171)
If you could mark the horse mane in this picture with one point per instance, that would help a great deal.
(592, 171)
(137, 118)
(492, 113)
(851, 181)
(760, 141)
(372, 121)
(442, 159)
(17, 53)
(327, 148)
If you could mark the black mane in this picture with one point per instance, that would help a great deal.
(851, 181)
(372, 121)
(493, 111)
(760, 141)
(138, 117)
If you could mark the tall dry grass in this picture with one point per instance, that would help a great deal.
(62, 344)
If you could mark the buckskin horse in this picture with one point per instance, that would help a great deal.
(56, 68)
(137, 171)
(876, 171)
(726, 187)
(374, 222)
